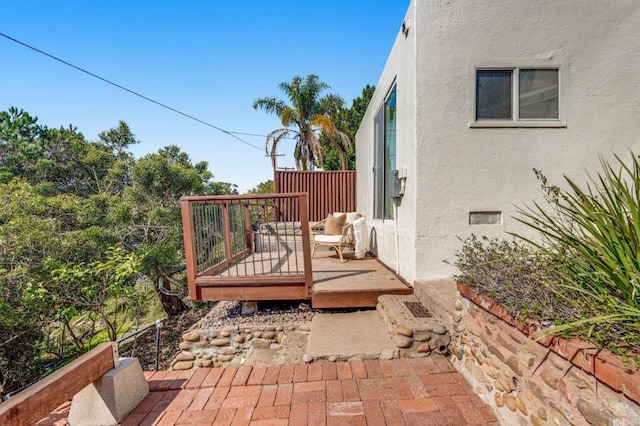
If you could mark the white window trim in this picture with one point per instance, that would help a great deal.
(516, 121)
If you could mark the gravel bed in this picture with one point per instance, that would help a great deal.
(228, 313)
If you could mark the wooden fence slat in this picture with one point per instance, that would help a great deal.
(37, 401)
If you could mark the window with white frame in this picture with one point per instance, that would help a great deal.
(384, 125)
(517, 94)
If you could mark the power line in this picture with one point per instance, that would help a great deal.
(232, 134)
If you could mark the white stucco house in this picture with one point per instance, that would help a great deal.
(476, 94)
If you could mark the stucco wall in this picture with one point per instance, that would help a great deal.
(399, 68)
(457, 168)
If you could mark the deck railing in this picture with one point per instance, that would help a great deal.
(246, 241)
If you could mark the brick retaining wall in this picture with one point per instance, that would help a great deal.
(552, 381)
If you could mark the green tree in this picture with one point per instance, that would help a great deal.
(305, 119)
(348, 120)
(267, 187)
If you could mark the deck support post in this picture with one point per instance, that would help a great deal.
(109, 400)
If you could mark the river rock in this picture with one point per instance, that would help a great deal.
(238, 339)
(225, 333)
(402, 342)
(269, 334)
(183, 365)
(191, 336)
(225, 358)
(260, 343)
(185, 356)
(439, 329)
(220, 342)
(403, 331)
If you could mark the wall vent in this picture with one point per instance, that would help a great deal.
(485, 218)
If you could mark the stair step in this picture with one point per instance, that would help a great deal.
(413, 329)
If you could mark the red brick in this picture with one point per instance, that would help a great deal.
(373, 368)
(225, 416)
(201, 399)
(417, 387)
(314, 372)
(423, 365)
(630, 385)
(373, 413)
(169, 418)
(242, 416)
(387, 368)
(430, 380)
(300, 373)
(401, 389)
(329, 371)
(266, 413)
(133, 419)
(317, 414)
(401, 367)
(347, 421)
(242, 375)
(350, 390)
(299, 414)
(200, 416)
(257, 375)
(150, 420)
(156, 379)
(167, 380)
(450, 410)
(344, 370)
(392, 414)
(283, 396)
(345, 408)
(358, 369)
(184, 377)
(418, 405)
(334, 391)
(182, 400)
(227, 376)
(245, 391)
(270, 422)
(286, 374)
(245, 401)
(426, 418)
(217, 398)
(378, 388)
(197, 378)
(148, 403)
(314, 396)
(473, 409)
(271, 376)
(608, 373)
(308, 387)
(213, 377)
(267, 396)
(443, 363)
(446, 390)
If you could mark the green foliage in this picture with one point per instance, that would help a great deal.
(88, 234)
(348, 120)
(267, 187)
(593, 234)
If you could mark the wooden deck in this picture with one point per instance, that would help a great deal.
(355, 283)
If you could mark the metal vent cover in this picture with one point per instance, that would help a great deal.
(417, 309)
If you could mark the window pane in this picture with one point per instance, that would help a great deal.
(493, 94)
(389, 150)
(378, 175)
(538, 93)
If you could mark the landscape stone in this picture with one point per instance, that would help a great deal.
(402, 341)
(269, 334)
(423, 348)
(206, 363)
(225, 358)
(185, 356)
(183, 365)
(439, 329)
(184, 346)
(260, 343)
(239, 339)
(596, 416)
(332, 358)
(220, 342)
(403, 331)
(225, 333)
(191, 336)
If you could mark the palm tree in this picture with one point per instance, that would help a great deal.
(305, 120)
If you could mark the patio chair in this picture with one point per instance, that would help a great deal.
(336, 232)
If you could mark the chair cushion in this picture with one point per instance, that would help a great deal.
(331, 239)
(334, 225)
(351, 216)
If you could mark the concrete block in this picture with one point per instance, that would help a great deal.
(111, 398)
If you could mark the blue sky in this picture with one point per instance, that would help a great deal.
(209, 59)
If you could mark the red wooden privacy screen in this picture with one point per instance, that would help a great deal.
(328, 192)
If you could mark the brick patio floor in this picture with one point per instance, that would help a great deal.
(420, 391)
